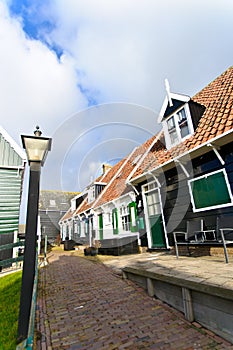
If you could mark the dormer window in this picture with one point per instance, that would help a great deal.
(180, 117)
(178, 126)
(94, 190)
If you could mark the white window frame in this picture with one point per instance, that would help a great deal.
(195, 210)
(75, 226)
(91, 194)
(169, 144)
(125, 217)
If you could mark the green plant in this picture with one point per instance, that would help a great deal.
(9, 309)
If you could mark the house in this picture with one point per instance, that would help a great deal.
(77, 223)
(52, 207)
(188, 173)
(67, 223)
(12, 165)
(185, 172)
(105, 211)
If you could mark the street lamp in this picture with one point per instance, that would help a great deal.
(37, 148)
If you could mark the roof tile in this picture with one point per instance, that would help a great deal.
(217, 97)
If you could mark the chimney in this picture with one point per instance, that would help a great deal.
(106, 168)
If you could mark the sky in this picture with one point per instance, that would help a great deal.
(91, 73)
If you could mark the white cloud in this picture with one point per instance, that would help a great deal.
(35, 88)
(113, 51)
(95, 136)
(127, 48)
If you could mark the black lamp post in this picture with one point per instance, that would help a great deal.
(37, 148)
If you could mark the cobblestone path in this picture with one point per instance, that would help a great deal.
(84, 305)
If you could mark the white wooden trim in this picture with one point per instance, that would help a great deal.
(143, 157)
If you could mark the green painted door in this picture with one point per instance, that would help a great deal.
(101, 235)
(155, 219)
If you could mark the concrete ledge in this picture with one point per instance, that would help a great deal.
(194, 283)
(209, 304)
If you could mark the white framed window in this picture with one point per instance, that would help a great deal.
(153, 203)
(108, 218)
(91, 194)
(125, 217)
(178, 126)
(210, 191)
(75, 227)
(150, 186)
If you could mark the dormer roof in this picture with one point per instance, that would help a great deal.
(177, 100)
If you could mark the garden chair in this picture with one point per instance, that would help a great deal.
(224, 230)
(194, 232)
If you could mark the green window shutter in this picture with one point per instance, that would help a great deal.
(210, 191)
(115, 221)
(100, 226)
(133, 216)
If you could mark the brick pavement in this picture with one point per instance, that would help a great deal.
(85, 305)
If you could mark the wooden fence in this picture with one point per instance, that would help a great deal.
(8, 252)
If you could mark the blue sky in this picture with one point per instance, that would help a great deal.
(91, 73)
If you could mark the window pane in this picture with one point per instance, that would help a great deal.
(173, 137)
(126, 223)
(181, 116)
(171, 123)
(183, 123)
(153, 198)
(151, 186)
(153, 203)
(149, 200)
(184, 130)
(151, 211)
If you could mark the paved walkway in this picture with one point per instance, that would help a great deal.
(88, 306)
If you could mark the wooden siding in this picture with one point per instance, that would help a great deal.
(8, 156)
(53, 205)
(49, 223)
(177, 205)
(10, 196)
(6, 239)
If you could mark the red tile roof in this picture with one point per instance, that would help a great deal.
(106, 178)
(67, 215)
(118, 187)
(217, 97)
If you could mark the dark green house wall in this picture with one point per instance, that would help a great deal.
(176, 197)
